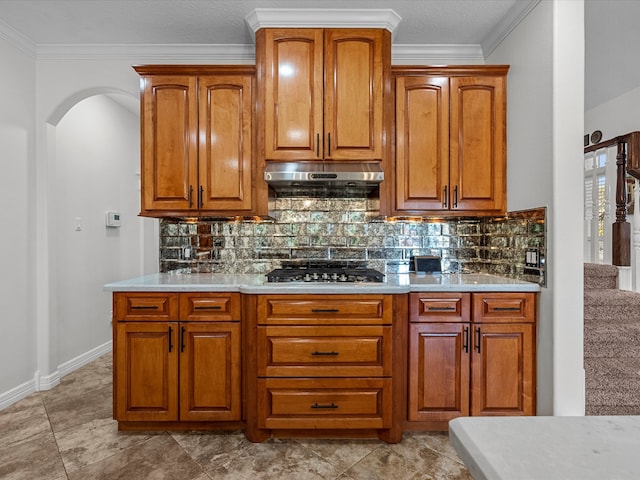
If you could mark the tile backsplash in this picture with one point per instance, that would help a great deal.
(350, 229)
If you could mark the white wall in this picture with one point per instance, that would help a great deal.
(545, 111)
(618, 116)
(96, 170)
(17, 274)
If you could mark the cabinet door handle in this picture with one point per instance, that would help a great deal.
(200, 197)
(332, 405)
(190, 196)
(170, 339)
(182, 331)
(329, 143)
(207, 307)
(441, 309)
(325, 354)
(317, 145)
(478, 339)
(455, 197)
(144, 307)
(465, 339)
(445, 197)
(506, 309)
(325, 310)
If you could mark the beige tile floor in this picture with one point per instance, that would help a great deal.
(68, 433)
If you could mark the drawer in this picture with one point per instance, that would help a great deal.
(324, 351)
(324, 309)
(210, 306)
(325, 403)
(512, 307)
(140, 306)
(439, 307)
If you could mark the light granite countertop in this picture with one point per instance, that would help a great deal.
(548, 448)
(257, 284)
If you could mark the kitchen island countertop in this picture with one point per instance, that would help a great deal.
(257, 284)
(548, 448)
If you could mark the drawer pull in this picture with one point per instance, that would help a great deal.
(144, 307)
(506, 309)
(316, 405)
(207, 307)
(326, 354)
(441, 309)
(325, 310)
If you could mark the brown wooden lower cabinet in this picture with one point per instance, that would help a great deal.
(480, 362)
(183, 372)
(326, 366)
(321, 365)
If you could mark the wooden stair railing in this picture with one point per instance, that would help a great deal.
(627, 161)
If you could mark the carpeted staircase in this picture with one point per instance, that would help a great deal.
(611, 343)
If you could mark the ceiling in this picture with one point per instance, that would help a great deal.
(610, 27)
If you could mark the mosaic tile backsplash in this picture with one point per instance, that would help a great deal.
(350, 229)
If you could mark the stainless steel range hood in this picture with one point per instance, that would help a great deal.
(319, 174)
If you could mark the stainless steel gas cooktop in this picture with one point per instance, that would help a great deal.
(324, 272)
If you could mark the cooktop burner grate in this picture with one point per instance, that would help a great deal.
(324, 273)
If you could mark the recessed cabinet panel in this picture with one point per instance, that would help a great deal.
(225, 143)
(503, 372)
(440, 307)
(210, 371)
(330, 309)
(439, 366)
(478, 142)
(169, 123)
(210, 306)
(422, 142)
(504, 307)
(324, 351)
(146, 367)
(293, 84)
(145, 306)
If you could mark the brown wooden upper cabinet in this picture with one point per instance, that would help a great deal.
(450, 149)
(197, 140)
(322, 92)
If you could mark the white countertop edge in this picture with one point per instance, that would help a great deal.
(470, 453)
(256, 284)
(550, 448)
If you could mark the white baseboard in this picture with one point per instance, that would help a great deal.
(18, 393)
(47, 382)
(80, 361)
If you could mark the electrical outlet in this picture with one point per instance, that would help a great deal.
(532, 258)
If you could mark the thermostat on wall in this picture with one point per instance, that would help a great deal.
(113, 219)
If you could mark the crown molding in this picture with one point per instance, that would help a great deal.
(436, 54)
(18, 40)
(505, 26)
(322, 18)
(242, 54)
(151, 53)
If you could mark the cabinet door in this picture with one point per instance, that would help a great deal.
(478, 118)
(422, 143)
(225, 114)
(146, 371)
(353, 95)
(169, 144)
(503, 370)
(210, 370)
(438, 371)
(293, 93)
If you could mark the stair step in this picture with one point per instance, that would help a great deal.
(600, 276)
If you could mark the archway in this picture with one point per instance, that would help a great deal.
(93, 168)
